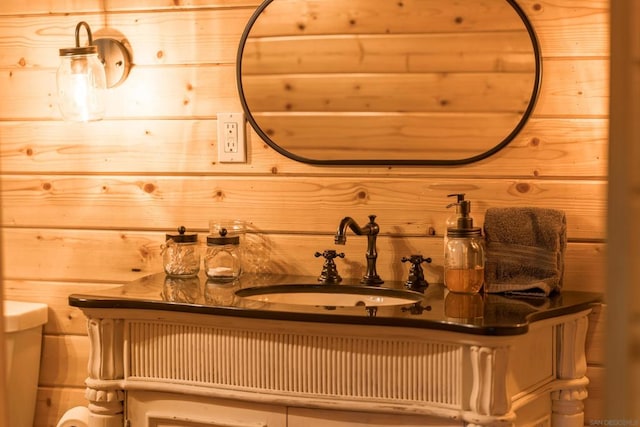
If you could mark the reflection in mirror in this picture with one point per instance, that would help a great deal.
(388, 82)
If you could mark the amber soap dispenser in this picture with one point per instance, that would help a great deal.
(464, 255)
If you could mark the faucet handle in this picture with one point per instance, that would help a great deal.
(416, 280)
(329, 274)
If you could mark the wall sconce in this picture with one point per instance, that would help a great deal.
(85, 72)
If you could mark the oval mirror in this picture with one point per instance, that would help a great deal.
(416, 82)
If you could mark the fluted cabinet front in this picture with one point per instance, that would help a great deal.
(152, 368)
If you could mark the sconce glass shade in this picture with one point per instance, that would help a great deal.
(82, 82)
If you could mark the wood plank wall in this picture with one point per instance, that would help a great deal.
(87, 206)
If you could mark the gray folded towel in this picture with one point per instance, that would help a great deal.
(524, 249)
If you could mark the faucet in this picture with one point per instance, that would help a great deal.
(370, 230)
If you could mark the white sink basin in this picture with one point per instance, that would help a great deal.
(330, 295)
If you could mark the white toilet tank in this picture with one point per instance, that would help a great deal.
(23, 341)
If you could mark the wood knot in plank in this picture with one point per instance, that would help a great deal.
(523, 187)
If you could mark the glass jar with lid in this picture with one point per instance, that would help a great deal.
(222, 260)
(180, 254)
(464, 261)
(464, 256)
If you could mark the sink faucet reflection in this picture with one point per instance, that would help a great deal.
(370, 230)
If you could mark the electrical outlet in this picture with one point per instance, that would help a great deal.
(230, 135)
(231, 139)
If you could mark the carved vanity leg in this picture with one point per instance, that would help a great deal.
(490, 403)
(105, 407)
(106, 370)
(567, 403)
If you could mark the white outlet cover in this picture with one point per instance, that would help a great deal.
(231, 136)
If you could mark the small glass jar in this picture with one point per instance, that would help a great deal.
(222, 260)
(464, 260)
(180, 254)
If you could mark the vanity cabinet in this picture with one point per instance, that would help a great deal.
(158, 363)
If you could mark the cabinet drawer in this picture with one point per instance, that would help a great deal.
(303, 417)
(159, 409)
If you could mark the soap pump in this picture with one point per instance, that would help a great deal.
(452, 220)
(464, 256)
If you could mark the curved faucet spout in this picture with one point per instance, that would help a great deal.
(370, 230)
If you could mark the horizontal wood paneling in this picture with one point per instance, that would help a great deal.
(586, 27)
(195, 91)
(545, 148)
(206, 37)
(117, 257)
(561, 31)
(134, 202)
(87, 206)
(568, 90)
(53, 402)
(64, 356)
(153, 92)
(62, 318)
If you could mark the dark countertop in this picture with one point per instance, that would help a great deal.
(483, 314)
